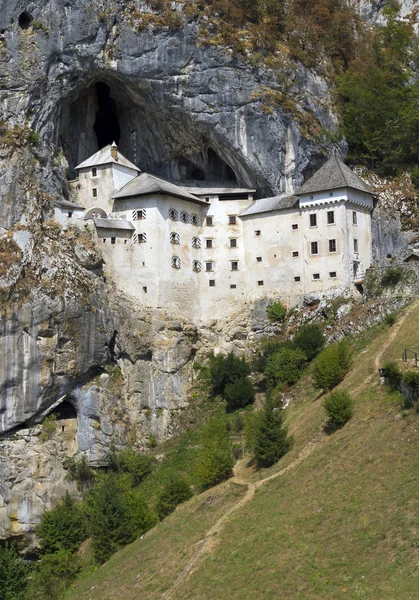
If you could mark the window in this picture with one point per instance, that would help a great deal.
(173, 214)
(257, 232)
(113, 240)
(332, 245)
(234, 265)
(330, 193)
(196, 242)
(354, 217)
(195, 220)
(233, 286)
(175, 262)
(69, 215)
(125, 241)
(231, 219)
(139, 215)
(316, 275)
(260, 282)
(355, 245)
(145, 289)
(174, 238)
(196, 266)
(185, 217)
(332, 274)
(259, 259)
(297, 279)
(94, 172)
(211, 282)
(94, 192)
(142, 238)
(314, 247)
(209, 221)
(233, 243)
(209, 266)
(104, 240)
(295, 254)
(208, 243)
(330, 217)
(313, 220)
(294, 226)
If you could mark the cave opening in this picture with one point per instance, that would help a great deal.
(218, 169)
(65, 410)
(25, 20)
(189, 170)
(106, 125)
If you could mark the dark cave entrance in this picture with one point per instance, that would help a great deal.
(106, 126)
(25, 20)
(218, 169)
(65, 410)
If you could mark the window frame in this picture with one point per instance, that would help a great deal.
(232, 219)
(295, 254)
(316, 277)
(313, 218)
(295, 226)
(354, 217)
(311, 249)
(173, 214)
(356, 246)
(331, 215)
(231, 245)
(209, 221)
(209, 262)
(333, 243)
(94, 172)
(94, 192)
(209, 243)
(174, 237)
(333, 274)
(211, 282)
(234, 262)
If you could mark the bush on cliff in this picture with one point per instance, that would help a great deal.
(214, 461)
(175, 491)
(63, 527)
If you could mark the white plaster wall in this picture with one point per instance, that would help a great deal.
(122, 175)
(61, 216)
(104, 183)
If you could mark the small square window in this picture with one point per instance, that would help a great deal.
(113, 240)
(330, 217)
(313, 220)
(234, 265)
(69, 215)
(316, 275)
(209, 244)
(354, 217)
(145, 289)
(207, 199)
(233, 242)
(257, 232)
(94, 172)
(332, 245)
(209, 221)
(94, 192)
(232, 219)
(332, 274)
(314, 247)
(330, 193)
(125, 241)
(259, 259)
(211, 282)
(141, 214)
(233, 286)
(142, 238)
(260, 282)
(209, 266)
(355, 245)
(311, 197)
(104, 240)
(295, 254)
(294, 226)
(297, 278)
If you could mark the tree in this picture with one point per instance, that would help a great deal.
(175, 491)
(339, 408)
(225, 370)
(310, 340)
(284, 366)
(13, 575)
(53, 575)
(63, 527)
(331, 366)
(276, 311)
(137, 465)
(214, 461)
(240, 393)
(267, 436)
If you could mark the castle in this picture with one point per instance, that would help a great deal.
(204, 249)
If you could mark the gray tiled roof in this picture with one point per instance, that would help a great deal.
(146, 184)
(270, 205)
(332, 175)
(104, 157)
(112, 223)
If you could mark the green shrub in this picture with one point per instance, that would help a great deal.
(176, 491)
(79, 471)
(63, 527)
(137, 465)
(276, 311)
(142, 518)
(266, 435)
(415, 176)
(392, 373)
(240, 393)
(284, 367)
(310, 340)
(214, 461)
(339, 408)
(49, 427)
(331, 366)
(411, 379)
(53, 575)
(14, 573)
(225, 370)
(392, 276)
(265, 350)
(390, 319)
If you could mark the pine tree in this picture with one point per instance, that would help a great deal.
(267, 436)
(214, 461)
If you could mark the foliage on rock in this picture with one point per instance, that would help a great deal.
(214, 461)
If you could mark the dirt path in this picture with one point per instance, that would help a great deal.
(238, 473)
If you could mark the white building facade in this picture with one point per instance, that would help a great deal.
(204, 250)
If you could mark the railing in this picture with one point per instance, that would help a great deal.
(410, 356)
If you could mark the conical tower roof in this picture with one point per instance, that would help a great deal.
(332, 175)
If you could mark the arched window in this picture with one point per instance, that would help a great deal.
(174, 238)
(176, 262)
(196, 242)
(196, 266)
(173, 214)
(185, 217)
(195, 220)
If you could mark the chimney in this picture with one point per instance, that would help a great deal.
(114, 151)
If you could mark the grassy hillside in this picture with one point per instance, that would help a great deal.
(339, 518)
